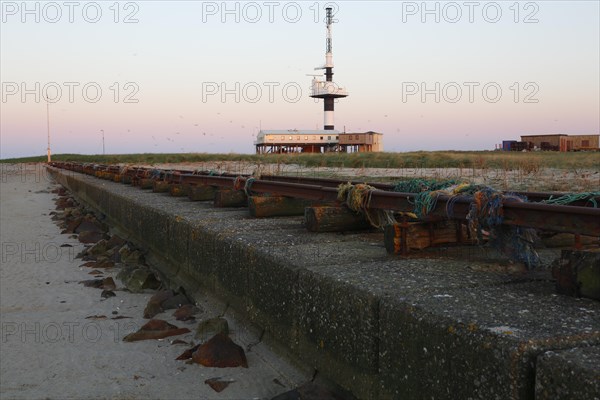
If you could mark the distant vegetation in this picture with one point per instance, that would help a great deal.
(531, 161)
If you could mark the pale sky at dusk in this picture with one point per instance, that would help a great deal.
(175, 59)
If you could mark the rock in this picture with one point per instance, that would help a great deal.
(161, 296)
(220, 352)
(140, 279)
(185, 312)
(88, 225)
(106, 283)
(105, 264)
(97, 248)
(115, 241)
(96, 317)
(109, 283)
(152, 309)
(107, 293)
(187, 355)
(154, 305)
(72, 225)
(89, 264)
(129, 256)
(218, 384)
(155, 329)
(113, 255)
(90, 236)
(212, 327)
(135, 257)
(125, 273)
(64, 202)
(95, 283)
(175, 302)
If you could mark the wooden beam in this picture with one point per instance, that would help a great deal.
(276, 206)
(333, 219)
(201, 193)
(230, 198)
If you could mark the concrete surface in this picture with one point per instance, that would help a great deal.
(432, 327)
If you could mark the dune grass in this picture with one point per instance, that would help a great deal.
(531, 161)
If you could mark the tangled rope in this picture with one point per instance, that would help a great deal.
(248, 186)
(422, 185)
(237, 183)
(486, 213)
(358, 199)
(573, 197)
(485, 216)
(167, 175)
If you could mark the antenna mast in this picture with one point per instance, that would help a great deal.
(327, 89)
(48, 125)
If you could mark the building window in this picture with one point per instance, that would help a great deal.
(321, 137)
(328, 137)
(314, 138)
(337, 137)
(305, 137)
(283, 138)
(291, 138)
(297, 137)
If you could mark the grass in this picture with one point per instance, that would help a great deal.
(507, 161)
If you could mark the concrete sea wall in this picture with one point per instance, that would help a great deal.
(382, 327)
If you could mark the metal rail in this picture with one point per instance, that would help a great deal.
(572, 219)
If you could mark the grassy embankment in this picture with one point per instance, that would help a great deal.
(528, 162)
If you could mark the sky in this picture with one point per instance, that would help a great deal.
(192, 76)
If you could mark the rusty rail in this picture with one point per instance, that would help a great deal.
(572, 219)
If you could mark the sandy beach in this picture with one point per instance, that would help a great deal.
(50, 350)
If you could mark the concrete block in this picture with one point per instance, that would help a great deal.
(568, 374)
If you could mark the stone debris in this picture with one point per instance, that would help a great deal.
(220, 352)
(176, 301)
(187, 355)
(155, 329)
(141, 278)
(211, 327)
(96, 317)
(106, 283)
(107, 293)
(154, 305)
(218, 384)
(186, 312)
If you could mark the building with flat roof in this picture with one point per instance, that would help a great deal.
(561, 142)
(360, 142)
(316, 141)
(296, 141)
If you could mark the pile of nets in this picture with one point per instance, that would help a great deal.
(358, 199)
(573, 197)
(422, 185)
(485, 217)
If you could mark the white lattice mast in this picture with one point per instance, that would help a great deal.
(328, 90)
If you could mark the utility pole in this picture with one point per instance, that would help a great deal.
(48, 124)
(103, 151)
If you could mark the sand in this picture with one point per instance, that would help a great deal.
(49, 350)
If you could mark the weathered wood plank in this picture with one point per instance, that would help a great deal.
(230, 198)
(333, 219)
(276, 206)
